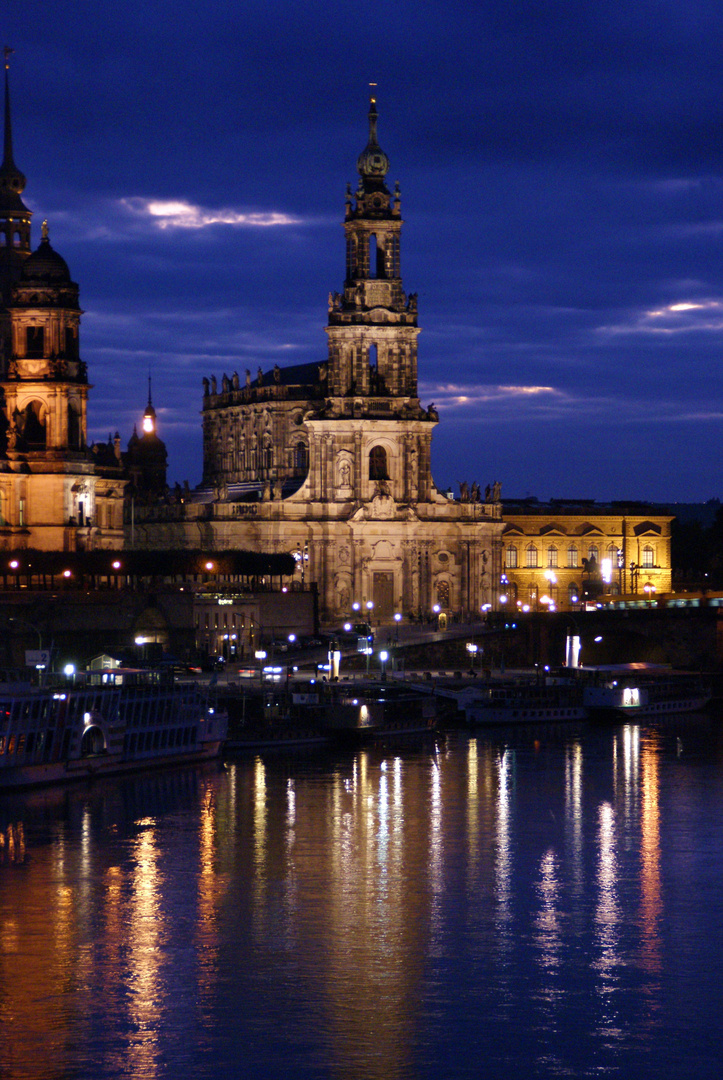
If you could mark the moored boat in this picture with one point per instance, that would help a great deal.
(521, 703)
(371, 710)
(103, 723)
(641, 690)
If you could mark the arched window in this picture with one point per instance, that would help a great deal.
(35, 342)
(32, 425)
(443, 594)
(648, 556)
(377, 266)
(592, 552)
(74, 432)
(301, 457)
(372, 256)
(572, 556)
(511, 557)
(378, 463)
(552, 556)
(531, 556)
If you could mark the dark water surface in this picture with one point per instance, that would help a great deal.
(542, 903)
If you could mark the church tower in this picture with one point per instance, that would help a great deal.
(372, 421)
(372, 324)
(52, 493)
(14, 227)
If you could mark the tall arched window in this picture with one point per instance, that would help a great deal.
(443, 594)
(511, 557)
(74, 433)
(592, 552)
(378, 463)
(33, 425)
(572, 556)
(648, 556)
(301, 457)
(552, 556)
(531, 556)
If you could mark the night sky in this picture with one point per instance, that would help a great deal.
(561, 171)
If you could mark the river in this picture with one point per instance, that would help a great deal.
(533, 903)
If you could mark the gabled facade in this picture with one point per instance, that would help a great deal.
(558, 555)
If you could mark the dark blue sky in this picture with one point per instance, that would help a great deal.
(561, 169)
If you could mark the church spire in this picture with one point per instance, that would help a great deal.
(12, 180)
(149, 416)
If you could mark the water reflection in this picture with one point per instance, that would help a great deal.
(361, 915)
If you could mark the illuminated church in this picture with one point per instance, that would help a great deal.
(56, 493)
(332, 460)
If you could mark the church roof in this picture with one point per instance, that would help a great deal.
(373, 163)
(45, 264)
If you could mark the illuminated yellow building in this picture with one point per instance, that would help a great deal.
(562, 554)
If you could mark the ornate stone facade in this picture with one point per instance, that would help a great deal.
(333, 460)
(562, 553)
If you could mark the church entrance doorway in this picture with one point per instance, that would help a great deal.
(383, 594)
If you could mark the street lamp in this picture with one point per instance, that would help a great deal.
(472, 649)
(384, 656)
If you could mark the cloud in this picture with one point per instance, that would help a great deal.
(683, 317)
(178, 214)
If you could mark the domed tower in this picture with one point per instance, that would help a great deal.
(146, 458)
(46, 384)
(55, 494)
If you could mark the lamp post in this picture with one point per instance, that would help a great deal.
(383, 657)
(472, 649)
(40, 665)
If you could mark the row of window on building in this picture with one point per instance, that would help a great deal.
(532, 556)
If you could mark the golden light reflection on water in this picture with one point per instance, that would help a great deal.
(347, 879)
(145, 925)
(651, 907)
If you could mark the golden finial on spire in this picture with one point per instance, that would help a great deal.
(44, 229)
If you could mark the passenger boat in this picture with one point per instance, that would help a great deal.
(521, 703)
(362, 711)
(103, 723)
(644, 690)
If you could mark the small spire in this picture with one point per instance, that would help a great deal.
(8, 148)
(373, 115)
(11, 178)
(44, 230)
(149, 416)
